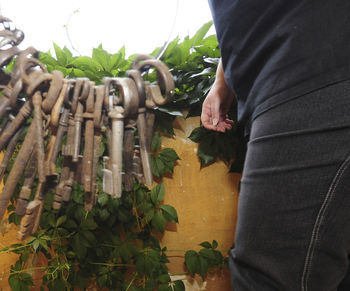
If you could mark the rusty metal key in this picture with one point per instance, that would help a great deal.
(142, 127)
(124, 104)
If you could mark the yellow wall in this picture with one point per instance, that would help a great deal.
(6, 260)
(206, 202)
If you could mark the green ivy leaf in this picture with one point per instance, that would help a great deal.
(20, 282)
(157, 166)
(88, 224)
(207, 153)
(125, 253)
(77, 73)
(61, 220)
(206, 245)
(164, 287)
(207, 254)
(168, 155)
(60, 55)
(149, 214)
(192, 261)
(88, 238)
(169, 213)
(158, 221)
(164, 278)
(86, 63)
(124, 215)
(36, 244)
(171, 111)
(104, 214)
(70, 224)
(198, 134)
(200, 34)
(179, 285)
(156, 142)
(103, 199)
(157, 194)
(164, 122)
(15, 283)
(102, 57)
(140, 195)
(147, 262)
(78, 246)
(202, 266)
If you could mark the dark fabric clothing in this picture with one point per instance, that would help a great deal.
(293, 231)
(274, 50)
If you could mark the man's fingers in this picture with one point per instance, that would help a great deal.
(229, 121)
(215, 112)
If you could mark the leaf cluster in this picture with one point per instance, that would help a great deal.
(117, 244)
(206, 258)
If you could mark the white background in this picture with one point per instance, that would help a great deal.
(140, 25)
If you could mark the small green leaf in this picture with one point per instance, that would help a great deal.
(60, 55)
(88, 224)
(70, 224)
(36, 244)
(171, 111)
(164, 278)
(78, 246)
(124, 215)
(215, 244)
(43, 244)
(88, 237)
(157, 165)
(61, 220)
(21, 282)
(14, 283)
(149, 214)
(125, 253)
(169, 213)
(164, 287)
(202, 266)
(179, 285)
(158, 221)
(86, 63)
(104, 214)
(147, 261)
(157, 194)
(156, 142)
(102, 57)
(198, 134)
(103, 198)
(192, 261)
(168, 155)
(200, 34)
(206, 245)
(207, 254)
(140, 195)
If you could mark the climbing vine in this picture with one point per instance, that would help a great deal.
(116, 244)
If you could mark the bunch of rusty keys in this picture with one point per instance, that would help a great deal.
(65, 107)
(127, 110)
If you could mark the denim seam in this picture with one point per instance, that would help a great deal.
(319, 221)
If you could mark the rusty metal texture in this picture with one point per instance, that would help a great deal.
(13, 127)
(17, 168)
(70, 117)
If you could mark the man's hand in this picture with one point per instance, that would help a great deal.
(217, 104)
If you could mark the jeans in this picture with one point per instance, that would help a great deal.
(293, 231)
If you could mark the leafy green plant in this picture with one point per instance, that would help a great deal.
(116, 244)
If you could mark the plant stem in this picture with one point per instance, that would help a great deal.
(113, 265)
(132, 280)
(179, 274)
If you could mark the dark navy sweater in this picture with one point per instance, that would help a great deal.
(277, 50)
